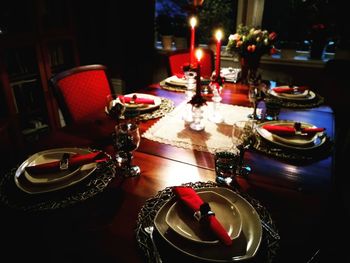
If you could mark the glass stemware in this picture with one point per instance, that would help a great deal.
(126, 137)
(126, 140)
(242, 136)
(255, 95)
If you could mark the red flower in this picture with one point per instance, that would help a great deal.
(272, 36)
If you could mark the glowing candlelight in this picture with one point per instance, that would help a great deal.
(193, 23)
(218, 37)
(199, 55)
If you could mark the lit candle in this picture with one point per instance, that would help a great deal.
(193, 22)
(218, 36)
(199, 55)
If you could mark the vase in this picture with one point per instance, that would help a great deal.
(249, 68)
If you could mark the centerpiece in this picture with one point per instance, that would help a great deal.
(250, 43)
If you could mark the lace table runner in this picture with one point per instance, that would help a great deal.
(173, 130)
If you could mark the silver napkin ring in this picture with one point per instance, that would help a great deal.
(199, 216)
(64, 162)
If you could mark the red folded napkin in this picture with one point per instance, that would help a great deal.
(290, 130)
(289, 89)
(192, 200)
(136, 100)
(75, 160)
(180, 75)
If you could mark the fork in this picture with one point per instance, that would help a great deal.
(149, 230)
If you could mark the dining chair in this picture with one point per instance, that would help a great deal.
(176, 60)
(81, 91)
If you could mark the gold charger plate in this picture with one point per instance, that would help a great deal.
(302, 96)
(32, 188)
(188, 227)
(46, 157)
(143, 107)
(299, 142)
(242, 248)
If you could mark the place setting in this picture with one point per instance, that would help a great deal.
(292, 96)
(205, 222)
(145, 106)
(292, 140)
(56, 178)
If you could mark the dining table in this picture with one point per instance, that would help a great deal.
(105, 226)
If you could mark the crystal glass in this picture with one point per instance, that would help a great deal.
(255, 95)
(227, 162)
(126, 140)
(190, 90)
(242, 136)
(197, 123)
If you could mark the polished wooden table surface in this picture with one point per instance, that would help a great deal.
(103, 229)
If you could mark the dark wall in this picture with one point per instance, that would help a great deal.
(120, 35)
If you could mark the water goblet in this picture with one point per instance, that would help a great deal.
(242, 138)
(126, 140)
(255, 95)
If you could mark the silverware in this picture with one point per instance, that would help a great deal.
(149, 230)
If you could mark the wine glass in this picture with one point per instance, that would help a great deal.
(255, 95)
(242, 136)
(126, 140)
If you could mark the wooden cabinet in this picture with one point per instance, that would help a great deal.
(37, 40)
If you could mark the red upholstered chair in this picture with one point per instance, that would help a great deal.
(178, 58)
(81, 92)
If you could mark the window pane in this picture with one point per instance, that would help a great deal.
(171, 17)
(294, 20)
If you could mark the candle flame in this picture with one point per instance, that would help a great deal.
(218, 35)
(193, 21)
(199, 54)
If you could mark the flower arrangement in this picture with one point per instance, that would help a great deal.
(249, 41)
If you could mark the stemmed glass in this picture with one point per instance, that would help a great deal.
(126, 140)
(255, 95)
(242, 138)
(126, 137)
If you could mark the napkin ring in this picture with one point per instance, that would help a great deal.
(203, 212)
(64, 162)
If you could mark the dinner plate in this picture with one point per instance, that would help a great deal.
(187, 226)
(299, 96)
(32, 188)
(242, 248)
(174, 80)
(143, 106)
(46, 157)
(300, 142)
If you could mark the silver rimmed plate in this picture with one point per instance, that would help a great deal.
(34, 188)
(297, 96)
(46, 157)
(245, 246)
(299, 142)
(143, 107)
(188, 227)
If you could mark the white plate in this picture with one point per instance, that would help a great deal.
(299, 142)
(174, 80)
(242, 248)
(306, 95)
(46, 157)
(187, 226)
(30, 188)
(143, 107)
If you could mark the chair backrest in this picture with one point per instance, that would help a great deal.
(81, 91)
(176, 60)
